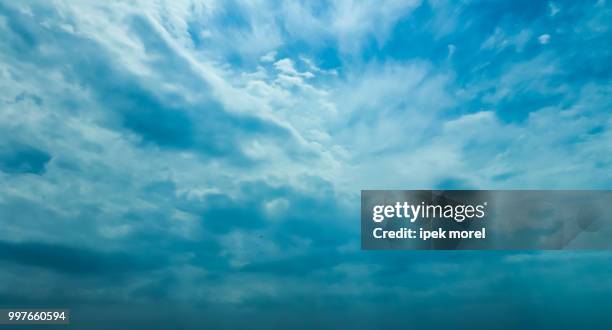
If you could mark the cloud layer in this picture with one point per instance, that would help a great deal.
(209, 155)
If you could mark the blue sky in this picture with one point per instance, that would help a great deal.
(206, 158)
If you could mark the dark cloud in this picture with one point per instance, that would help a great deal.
(18, 158)
(312, 214)
(76, 260)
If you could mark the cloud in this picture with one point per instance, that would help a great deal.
(268, 57)
(544, 39)
(498, 40)
(74, 260)
(554, 8)
(15, 158)
(211, 155)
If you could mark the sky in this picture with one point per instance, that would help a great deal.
(179, 164)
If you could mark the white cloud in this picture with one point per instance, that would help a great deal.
(553, 8)
(268, 57)
(544, 39)
(499, 40)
